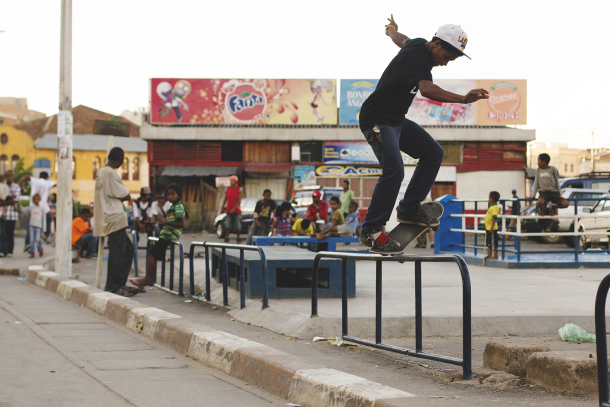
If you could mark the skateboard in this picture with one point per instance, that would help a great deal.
(406, 233)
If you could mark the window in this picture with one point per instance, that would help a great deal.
(565, 167)
(605, 185)
(73, 168)
(3, 164)
(125, 169)
(135, 169)
(232, 151)
(3, 138)
(248, 204)
(97, 164)
(571, 167)
(311, 151)
(453, 153)
(14, 161)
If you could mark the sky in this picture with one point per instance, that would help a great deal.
(118, 45)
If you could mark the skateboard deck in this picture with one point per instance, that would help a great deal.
(406, 233)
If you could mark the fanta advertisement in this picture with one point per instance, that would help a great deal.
(341, 171)
(243, 101)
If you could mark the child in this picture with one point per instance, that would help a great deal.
(547, 182)
(281, 220)
(491, 225)
(338, 227)
(82, 234)
(302, 227)
(37, 221)
(351, 219)
(172, 230)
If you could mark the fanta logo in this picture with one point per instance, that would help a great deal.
(504, 100)
(246, 102)
(463, 41)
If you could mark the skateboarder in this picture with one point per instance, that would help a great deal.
(383, 123)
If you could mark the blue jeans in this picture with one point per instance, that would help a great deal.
(90, 242)
(35, 234)
(413, 140)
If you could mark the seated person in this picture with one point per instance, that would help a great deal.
(302, 227)
(82, 234)
(338, 227)
(351, 219)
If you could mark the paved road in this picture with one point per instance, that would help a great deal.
(55, 353)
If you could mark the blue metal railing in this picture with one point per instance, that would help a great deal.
(601, 342)
(134, 239)
(171, 269)
(466, 362)
(224, 272)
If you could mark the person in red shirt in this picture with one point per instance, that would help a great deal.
(82, 233)
(317, 210)
(232, 207)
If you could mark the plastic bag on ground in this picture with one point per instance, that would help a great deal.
(574, 333)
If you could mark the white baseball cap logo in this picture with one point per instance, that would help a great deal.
(454, 35)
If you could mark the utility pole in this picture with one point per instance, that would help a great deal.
(592, 154)
(63, 240)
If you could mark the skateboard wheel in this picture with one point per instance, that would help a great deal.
(434, 228)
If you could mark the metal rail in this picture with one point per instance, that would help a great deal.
(224, 273)
(466, 362)
(170, 287)
(134, 238)
(601, 342)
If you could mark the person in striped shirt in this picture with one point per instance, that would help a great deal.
(281, 220)
(171, 232)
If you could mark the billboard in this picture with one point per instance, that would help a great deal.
(304, 175)
(353, 93)
(243, 101)
(507, 103)
(354, 152)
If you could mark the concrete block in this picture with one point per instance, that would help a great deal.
(64, 288)
(177, 333)
(43, 276)
(97, 301)
(79, 294)
(329, 387)
(406, 402)
(36, 267)
(118, 309)
(53, 283)
(573, 372)
(31, 276)
(268, 368)
(510, 357)
(217, 349)
(144, 320)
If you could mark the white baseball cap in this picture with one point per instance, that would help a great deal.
(454, 35)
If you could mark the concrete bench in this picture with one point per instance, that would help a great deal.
(330, 241)
(289, 269)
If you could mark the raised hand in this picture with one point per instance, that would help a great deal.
(475, 94)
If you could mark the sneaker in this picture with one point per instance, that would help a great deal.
(41, 252)
(432, 246)
(9, 255)
(1, 255)
(32, 255)
(420, 217)
(239, 240)
(379, 241)
(226, 240)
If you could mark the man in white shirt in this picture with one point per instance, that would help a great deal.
(159, 210)
(42, 187)
(111, 221)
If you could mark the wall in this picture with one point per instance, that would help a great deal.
(478, 185)
(18, 143)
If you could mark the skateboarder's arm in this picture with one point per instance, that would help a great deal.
(436, 93)
(392, 31)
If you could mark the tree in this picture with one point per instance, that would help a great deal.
(20, 171)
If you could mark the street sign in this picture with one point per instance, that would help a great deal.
(111, 128)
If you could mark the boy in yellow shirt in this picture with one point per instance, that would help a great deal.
(302, 227)
(491, 225)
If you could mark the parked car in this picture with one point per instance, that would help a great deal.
(247, 211)
(592, 180)
(600, 225)
(588, 196)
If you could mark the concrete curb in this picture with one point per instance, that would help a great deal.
(285, 375)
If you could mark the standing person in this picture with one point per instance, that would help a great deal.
(547, 183)
(10, 216)
(338, 226)
(82, 234)
(383, 123)
(36, 224)
(159, 211)
(262, 216)
(232, 206)
(171, 232)
(514, 210)
(346, 197)
(317, 210)
(111, 221)
(42, 187)
(143, 212)
(491, 225)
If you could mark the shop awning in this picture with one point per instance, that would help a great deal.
(268, 167)
(198, 171)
